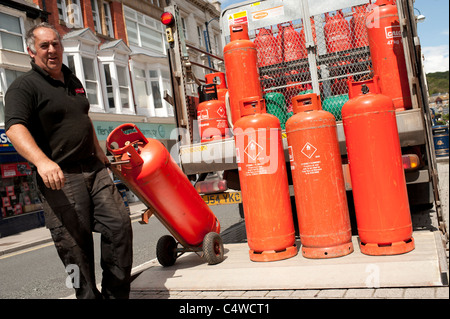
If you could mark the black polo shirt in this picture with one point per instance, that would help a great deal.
(55, 113)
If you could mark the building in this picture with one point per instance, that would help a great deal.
(117, 48)
(439, 102)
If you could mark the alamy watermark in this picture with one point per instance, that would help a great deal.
(74, 17)
(73, 278)
(251, 146)
(373, 277)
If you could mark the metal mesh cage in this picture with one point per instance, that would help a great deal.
(340, 52)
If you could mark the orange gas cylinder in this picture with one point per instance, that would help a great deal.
(386, 51)
(337, 32)
(376, 170)
(241, 69)
(267, 47)
(264, 184)
(221, 85)
(152, 174)
(322, 211)
(291, 44)
(211, 115)
(358, 26)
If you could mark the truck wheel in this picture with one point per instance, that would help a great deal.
(213, 248)
(166, 250)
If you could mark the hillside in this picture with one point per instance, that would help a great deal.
(438, 82)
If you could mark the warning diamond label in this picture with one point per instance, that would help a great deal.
(308, 150)
(221, 111)
(253, 150)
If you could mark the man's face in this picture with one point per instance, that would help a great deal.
(49, 51)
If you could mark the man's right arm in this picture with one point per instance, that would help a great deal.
(26, 146)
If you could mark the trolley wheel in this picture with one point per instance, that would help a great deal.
(166, 250)
(213, 248)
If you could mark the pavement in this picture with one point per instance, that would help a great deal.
(239, 278)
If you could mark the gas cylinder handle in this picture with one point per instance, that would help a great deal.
(239, 32)
(306, 102)
(120, 138)
(251, 105)
(207, 92)
(363, 87)
(211, 77)
(237, 28)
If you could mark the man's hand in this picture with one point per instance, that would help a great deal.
(51, 174)
(26, 146)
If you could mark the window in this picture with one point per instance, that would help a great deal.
(159, 82)
(109, 87)
(69, 11)
(11, 37)
(156, 91)
(108, 20)
(141, 88)
(71, 63)
(150, 80)
(114, 57)
(80, 56)
(200, 35)
(183, 24)
(90, 80)
(60, 4)
(96, 16)
(217, 45)
(85, 68)
(102, 18)
(122, 76)
(144, 31)
(118, 93)
(7, 77)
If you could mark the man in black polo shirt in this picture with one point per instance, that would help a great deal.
(46, 119)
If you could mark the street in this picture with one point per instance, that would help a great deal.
(38, 272)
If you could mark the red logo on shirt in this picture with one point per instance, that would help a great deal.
(80, 90)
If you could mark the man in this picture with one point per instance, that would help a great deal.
(46, 119)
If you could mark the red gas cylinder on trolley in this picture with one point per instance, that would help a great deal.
(320, 196)
(211, 115)
(337, 32)
(386, 51)
(267, 47)
(376, 169)
(291, 44)
(264, 185)
(148, 169)
(242, 72)
(358, 26)
(218, 78)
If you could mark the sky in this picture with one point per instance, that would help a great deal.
(433, 32)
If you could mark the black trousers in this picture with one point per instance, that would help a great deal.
(90, 202)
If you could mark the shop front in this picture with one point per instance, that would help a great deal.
(21, 208)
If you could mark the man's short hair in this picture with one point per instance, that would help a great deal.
(30, 38)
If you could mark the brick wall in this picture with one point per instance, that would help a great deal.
(118, 20)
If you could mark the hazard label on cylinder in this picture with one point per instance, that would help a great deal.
(256, 152)
(309, 150)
